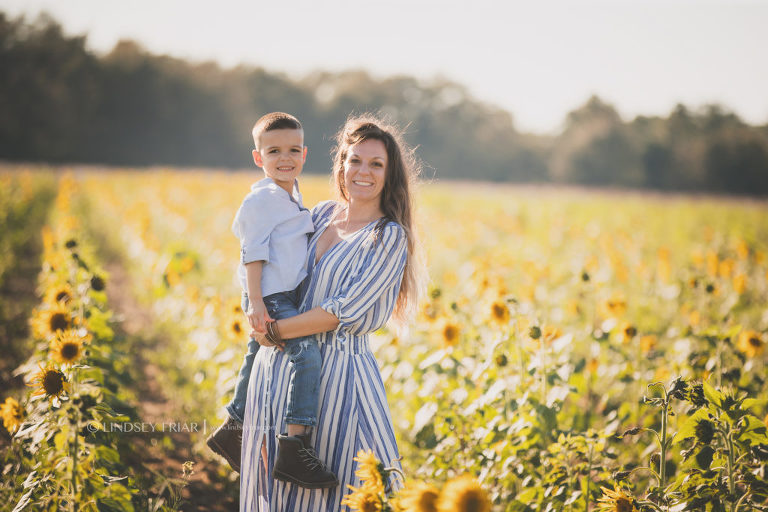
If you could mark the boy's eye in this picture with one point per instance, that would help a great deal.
(272, 151)
(295, 150)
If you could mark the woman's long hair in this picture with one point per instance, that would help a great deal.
(395, 203)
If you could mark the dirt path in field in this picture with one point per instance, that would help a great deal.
(211, 487)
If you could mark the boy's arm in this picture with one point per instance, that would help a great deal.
(257, 312)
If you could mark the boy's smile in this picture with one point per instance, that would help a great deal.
(281, 154)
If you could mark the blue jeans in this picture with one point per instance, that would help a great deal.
(304, 355)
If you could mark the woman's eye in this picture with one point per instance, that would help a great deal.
(376, 164)
(354, 161)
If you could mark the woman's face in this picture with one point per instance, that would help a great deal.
(365, 169)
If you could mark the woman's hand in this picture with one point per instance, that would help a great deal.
(262, 340)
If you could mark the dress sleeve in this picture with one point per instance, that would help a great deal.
(367, 300)
(253, 225)
(321, 211)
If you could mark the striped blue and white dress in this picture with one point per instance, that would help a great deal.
(358, 281)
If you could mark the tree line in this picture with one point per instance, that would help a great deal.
(63, 103)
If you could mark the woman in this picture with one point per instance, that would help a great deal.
(362, 270)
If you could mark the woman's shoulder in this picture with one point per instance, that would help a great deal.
(323, 209)
(389, 233)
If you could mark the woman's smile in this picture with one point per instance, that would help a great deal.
(365, 170)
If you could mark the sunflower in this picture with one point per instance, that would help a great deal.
(613, 307)
(648, 343)
(617, 500)
(53, 383)
(12, 414)
(418, 497)
(235, 306)
(463, 494)
(751, 343)
(448, 333)
(59, 293)
(52, 320)
(428, 310)
(236, 327)
(369, 471)
(626, 332)
(97, 283)
(362, 499)
(67, 347)
(551, 333)
(500, 312)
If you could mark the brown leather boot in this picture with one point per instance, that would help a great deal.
(297, 462)
(227, 441)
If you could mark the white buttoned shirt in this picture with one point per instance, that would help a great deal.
(273, 227)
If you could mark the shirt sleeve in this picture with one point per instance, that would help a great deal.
(367, 300)
(253, 225)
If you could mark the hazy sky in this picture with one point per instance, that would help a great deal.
(537, 59)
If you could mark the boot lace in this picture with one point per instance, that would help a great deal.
(310, 458)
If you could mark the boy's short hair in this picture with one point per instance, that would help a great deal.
(274, 121)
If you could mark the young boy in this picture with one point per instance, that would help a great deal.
(273, 228)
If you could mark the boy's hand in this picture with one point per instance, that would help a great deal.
(258, 316)
(261, 339)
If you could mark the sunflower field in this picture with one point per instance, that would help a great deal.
(574, 351)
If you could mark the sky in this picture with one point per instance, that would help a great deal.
(539, 60)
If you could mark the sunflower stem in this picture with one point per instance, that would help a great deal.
(74, 461)
(75, 442)
(731, 482)
(589, 477)
(663, 459)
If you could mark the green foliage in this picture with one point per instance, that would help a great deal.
(25, 200)
(66, 453)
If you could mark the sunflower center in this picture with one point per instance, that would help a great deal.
(623, 505)
(59, 321)
(62, 295)
(472, 502)
(70, 351)
(428, 500)
(369, 504)
(53, 382)
(450, 333)
(755, 341)
(236, 327)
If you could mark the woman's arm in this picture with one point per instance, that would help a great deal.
(314, 321)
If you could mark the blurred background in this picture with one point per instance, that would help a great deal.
(655, 95)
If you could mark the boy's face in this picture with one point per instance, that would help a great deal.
(281, 154)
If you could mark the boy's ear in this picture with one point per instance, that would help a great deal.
(257, 158)
(304, 158)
